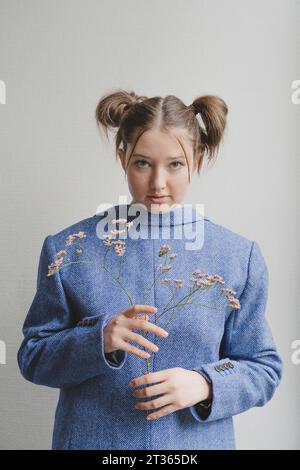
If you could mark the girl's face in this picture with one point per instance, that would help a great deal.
(158, 167)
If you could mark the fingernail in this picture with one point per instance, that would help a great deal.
(165, 334)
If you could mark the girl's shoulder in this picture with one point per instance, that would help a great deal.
(80, 229)
(223, 234)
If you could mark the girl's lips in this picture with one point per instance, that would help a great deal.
(158, 199)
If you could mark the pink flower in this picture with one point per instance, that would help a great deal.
(178, 282)
(119, 221)
(115, 232)
(214, 278)
(70, 240)
(107, 241)
(218, 279)
(80, 235)
(119, 244)
(119, 247)
(197, 271)
(166, 267)
(164, 249)
(72, 237)
(203, 282)
(233, 302)
(119, 250)
(228, 291)
(198, 274)
(61, 254)
(53, 267)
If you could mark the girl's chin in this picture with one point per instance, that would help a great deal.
(155, 207)
(159, 207)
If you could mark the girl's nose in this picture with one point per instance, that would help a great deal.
(158, 182)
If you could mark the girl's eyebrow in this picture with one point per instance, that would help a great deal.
(169, 158)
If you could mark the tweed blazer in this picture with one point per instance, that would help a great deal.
(88, 273)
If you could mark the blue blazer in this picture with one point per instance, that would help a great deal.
(88, 274)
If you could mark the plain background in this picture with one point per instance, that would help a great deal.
(57, 58)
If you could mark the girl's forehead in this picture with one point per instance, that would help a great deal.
(162, 144)
(168, 137)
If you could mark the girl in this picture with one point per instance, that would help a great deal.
(198, 307)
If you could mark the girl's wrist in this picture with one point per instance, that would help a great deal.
(206, 387)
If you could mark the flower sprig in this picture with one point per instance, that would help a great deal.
(200, 281)
(119, 245)
(59, 257)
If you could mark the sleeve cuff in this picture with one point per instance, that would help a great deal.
(222, 377)
(117, 360)
(114, 360)
(115, 357)
(202, 409)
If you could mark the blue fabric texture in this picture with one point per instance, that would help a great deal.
(63, 345)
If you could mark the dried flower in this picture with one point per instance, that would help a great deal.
(80, 235)
(234, 303)
(53, 267)
(199, 279)
(61, 254)
(70, 240)
(107, 241)
(72, 237)
(118, 221)
(164, 250)
(166, 267)
(178, 282)
(115, 232)
(197, 272)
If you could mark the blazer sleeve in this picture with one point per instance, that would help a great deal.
(249, 368)
(56, 350)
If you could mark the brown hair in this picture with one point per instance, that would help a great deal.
(133, 114)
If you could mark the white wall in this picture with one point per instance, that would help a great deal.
(56, 60)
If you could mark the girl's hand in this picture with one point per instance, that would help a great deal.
(119, 330)
(179, 388)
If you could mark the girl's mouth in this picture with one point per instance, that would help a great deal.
(158, 199)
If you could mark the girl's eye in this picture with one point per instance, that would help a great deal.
(177, 161)
(139, 161)
(145, 161)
